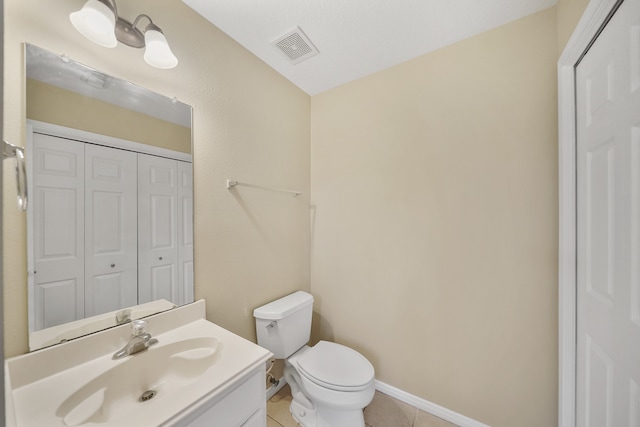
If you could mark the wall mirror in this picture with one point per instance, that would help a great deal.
(110, 213)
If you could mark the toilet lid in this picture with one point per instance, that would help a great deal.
(336, 367)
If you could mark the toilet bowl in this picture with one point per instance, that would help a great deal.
(337, 380)
(330, 383)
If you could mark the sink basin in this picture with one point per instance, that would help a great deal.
(146, 378)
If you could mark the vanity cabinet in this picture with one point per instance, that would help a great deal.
(109, 228)
(243, 406)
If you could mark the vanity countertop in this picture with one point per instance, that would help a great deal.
(40, 385)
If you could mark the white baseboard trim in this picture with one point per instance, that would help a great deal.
(426, 406)
(276, 388)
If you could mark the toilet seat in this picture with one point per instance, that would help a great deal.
(336, 367)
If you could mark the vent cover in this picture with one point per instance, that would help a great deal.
(296, 46)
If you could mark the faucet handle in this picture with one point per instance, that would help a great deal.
(123, 316)
(138, 327)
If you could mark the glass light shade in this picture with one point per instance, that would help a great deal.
(157, 52)
(96, 22)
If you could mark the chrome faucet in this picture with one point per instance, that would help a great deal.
(140, 340)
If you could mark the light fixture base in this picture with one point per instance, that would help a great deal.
(98, 20)
(127, 34)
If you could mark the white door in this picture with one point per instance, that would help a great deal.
(57, 207)
(608, 221)
(158, 229)
(111, 232)
(185, 231)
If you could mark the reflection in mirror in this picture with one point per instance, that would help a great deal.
(68, 331)
(110, 221)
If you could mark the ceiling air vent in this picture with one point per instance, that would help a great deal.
(296, 46)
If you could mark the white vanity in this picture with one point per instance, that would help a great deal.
(197, 374)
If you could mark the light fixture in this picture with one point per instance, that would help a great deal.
(98, 21)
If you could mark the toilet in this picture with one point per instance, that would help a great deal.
(330, 383)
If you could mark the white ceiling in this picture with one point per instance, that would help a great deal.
(356, 37)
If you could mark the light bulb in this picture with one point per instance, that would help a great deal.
(96, 22)
(157, 52)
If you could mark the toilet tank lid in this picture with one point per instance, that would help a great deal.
(283, 307)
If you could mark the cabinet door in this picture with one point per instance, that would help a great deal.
(111, 232)
(157, 230)
(185, 231)
(58, 222)
(244, 406)
(259, 419)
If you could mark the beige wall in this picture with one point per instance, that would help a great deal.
(433, 217)
(434, 234)
(52, 104)
(250, 246)
(569, 13)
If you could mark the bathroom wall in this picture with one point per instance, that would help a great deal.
(569, 13)
(433, 217)
(434, 227)
(250, 124)
(2, 406)
(51, 104)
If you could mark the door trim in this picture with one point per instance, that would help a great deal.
(595, 15)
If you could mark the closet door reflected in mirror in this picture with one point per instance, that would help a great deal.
(110, 228)
(165, 203)
(57, 208)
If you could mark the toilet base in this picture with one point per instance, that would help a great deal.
(326, 417)
(304, 416)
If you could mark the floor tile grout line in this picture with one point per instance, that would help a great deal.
(415, 416)
(274, 420)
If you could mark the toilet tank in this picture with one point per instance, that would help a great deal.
(283, 326)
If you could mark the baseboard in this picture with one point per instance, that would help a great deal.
(426, 406)
(276, 388)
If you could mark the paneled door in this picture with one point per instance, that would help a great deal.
(608, 225)
(111, 229)
(158, 229)
(185, 231)
(57, 204)
(108, 228)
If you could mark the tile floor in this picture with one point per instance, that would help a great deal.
(383, 411)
